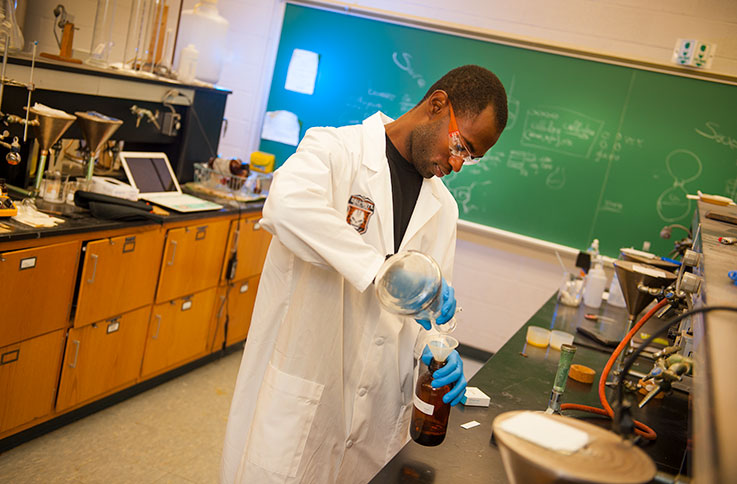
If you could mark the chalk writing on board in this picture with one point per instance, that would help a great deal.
(405, 63)
(710, 132)
(684, 167)
(385, 95)
(512, 106)
(610, 206)
(463, 195)
(608, 146)
(561, 130)
(526, 162)
(363, 107)
(730, 188)
(556, 179)
(406, 103)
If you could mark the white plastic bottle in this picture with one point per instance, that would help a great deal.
(206, 29)
(595, 285)
(188, 64)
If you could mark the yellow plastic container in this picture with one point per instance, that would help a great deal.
(262, 162)
(538, 336)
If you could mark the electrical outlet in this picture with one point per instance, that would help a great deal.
(703, 54)
(683, 53)
(170, 123)
(693, 53)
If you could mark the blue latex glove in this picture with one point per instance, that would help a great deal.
(448, 309)
(450, 374)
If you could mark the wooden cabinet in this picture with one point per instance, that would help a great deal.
(193, 257)
(119, 271)
(101, 311)
(101, 357)
(37, 291)
(234, 304)
(252, 243)
(178, 332)
(29, 372)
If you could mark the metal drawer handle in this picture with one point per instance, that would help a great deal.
(94, 269)
(76, 354)
(158, 326)
(222, 306)
(173, 253)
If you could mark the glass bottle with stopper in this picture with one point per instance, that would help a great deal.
(430, 414)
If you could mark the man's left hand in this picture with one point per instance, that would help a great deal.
(450, 374)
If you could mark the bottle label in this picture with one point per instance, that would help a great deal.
(423, 407)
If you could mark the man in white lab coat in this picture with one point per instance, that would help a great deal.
(324, 392)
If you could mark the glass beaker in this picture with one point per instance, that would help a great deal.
(53, 191)
(410, 284)
(102, 35)
(571, 289)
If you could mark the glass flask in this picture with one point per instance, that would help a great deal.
(410, 284)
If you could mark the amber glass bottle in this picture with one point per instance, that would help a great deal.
(430, 414)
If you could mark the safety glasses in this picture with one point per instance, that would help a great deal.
(456, 144)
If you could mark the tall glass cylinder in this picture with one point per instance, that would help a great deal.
(102, 35)
(135, 49)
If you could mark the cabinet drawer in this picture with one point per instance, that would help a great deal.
(102, 356)
(29, 372)
(240, 302)
(193, 257)
(38, 286)
(178, 332)
(119, 274)
(252, 244)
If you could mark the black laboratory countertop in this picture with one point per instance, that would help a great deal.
(520, 377)
(78, 221)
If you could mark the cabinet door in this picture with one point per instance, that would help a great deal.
(178, 332)
(29, 372)
(120, 271)
(37, 290)
(252, 244)
(238, 311)
(101, 357)
(192, 260)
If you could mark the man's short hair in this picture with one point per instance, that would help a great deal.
(470, 89)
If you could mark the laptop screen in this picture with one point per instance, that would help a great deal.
(151, 174)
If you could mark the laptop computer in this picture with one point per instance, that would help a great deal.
(152, 175)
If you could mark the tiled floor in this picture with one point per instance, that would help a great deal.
(170, 434)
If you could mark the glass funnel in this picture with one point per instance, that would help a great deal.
(410, 284)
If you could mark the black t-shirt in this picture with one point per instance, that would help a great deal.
(406, 184)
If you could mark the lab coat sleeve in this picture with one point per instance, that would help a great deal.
(300, 210)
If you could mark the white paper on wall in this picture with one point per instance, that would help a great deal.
(282, 127)
(302, 71)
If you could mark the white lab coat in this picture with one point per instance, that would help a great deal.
(324, 391)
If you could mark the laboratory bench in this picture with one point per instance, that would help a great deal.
(520, 377)
(93, 311)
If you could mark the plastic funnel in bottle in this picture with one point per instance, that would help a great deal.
(441, 346)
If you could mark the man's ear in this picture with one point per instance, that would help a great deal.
(437, 103)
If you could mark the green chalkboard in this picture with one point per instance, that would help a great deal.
(592, 150)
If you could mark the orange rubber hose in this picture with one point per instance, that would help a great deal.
(640, 428)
